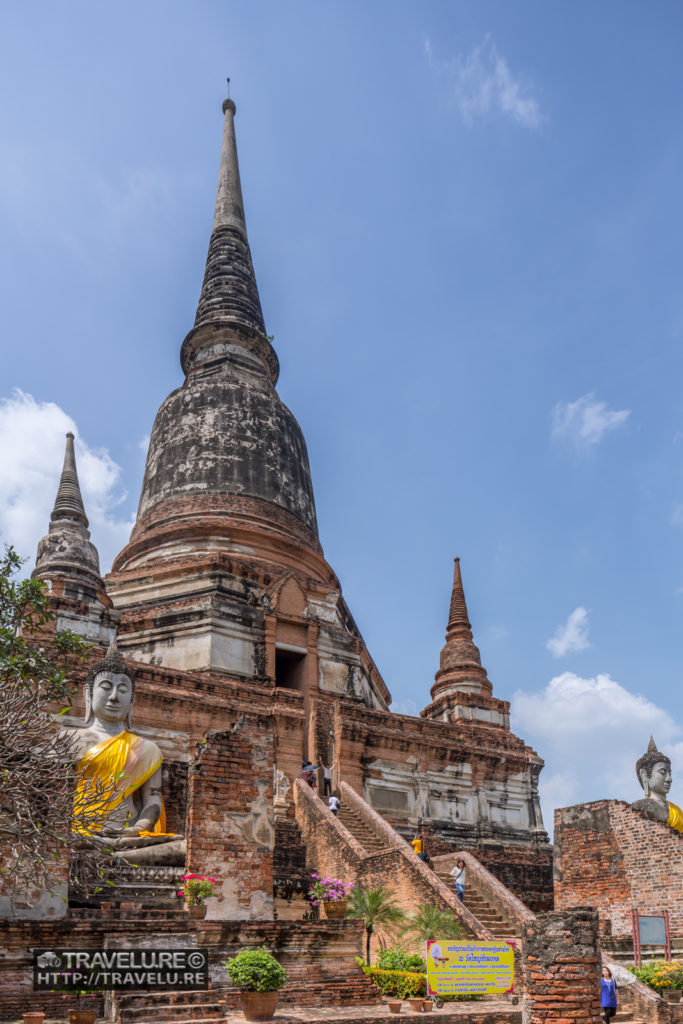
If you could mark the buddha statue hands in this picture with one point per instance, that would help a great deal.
(121, 771)
(654, 775)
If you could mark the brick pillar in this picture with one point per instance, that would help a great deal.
(270, 622)
(310, 688)
(561, 968)
(230, 832)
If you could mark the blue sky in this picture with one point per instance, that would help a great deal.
(466, 225)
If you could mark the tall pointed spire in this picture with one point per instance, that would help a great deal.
(229, 325)
(460, 664)
(458, 619)
(67, 549)
(224, 445)
(69, 502)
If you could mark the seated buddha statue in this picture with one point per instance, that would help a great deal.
(121, 771)
(654, 775)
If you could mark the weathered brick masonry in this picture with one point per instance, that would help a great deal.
(616, 859)
(230, 829)
(561, 968)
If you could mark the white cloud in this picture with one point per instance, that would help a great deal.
(585, 422)
(481, 83)
(31, 455)
(573, 636)
(499, 632)
(591, 732)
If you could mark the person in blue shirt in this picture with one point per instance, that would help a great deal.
(608, 998)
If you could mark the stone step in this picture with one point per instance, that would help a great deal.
(205, 1011)
(133, 1000)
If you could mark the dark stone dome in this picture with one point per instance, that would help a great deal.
(228, 433)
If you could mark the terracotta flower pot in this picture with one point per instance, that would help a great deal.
(259, 1005)
(427, 1005)
(334, 908)
(82, 1016)
(33, 1017)
(394, 1005)
(197, 911)
(417, 1005)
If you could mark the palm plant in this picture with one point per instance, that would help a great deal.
(428, 922)
(374, 907)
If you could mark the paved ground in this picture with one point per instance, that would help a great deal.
(486, 1012)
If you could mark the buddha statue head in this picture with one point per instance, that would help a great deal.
(109, 691)
(654, 773)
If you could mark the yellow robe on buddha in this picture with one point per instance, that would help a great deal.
(111, 771)
(675, 817)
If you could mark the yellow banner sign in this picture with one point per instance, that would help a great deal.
(465, 968)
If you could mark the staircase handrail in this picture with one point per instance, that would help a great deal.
(302, 791)
(492, 888)
(414, 864)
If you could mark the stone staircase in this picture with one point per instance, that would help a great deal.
(136, 1008)
(625, 1017)
(291, 877)
(309, 985)
(483, 909)
(370, 840)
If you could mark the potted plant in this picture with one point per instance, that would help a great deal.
(258, 975)
(84, 1013)
(331, 892)
(33, 1017)
(196, 890)
(394, 1005)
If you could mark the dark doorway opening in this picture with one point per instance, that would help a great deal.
(289, 669)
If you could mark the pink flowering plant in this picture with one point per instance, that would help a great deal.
(328, 890)
(197, 889)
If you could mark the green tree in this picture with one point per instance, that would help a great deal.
(38, 773)
(374, 907)
(428, 922)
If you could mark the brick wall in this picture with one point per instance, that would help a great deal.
(528, 873)
(174, 791)
(318, 958)
(615, 859)
(230, 832)
(561, 968)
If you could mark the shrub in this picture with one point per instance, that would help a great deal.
(406, 984)
(395, 959)
(255, 970)
(660, 974)
(399, 984)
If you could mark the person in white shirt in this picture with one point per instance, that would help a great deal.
(458, 876)
(327, 778)
(333, 804)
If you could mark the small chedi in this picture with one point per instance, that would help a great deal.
(121, 770)
(654, 775)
